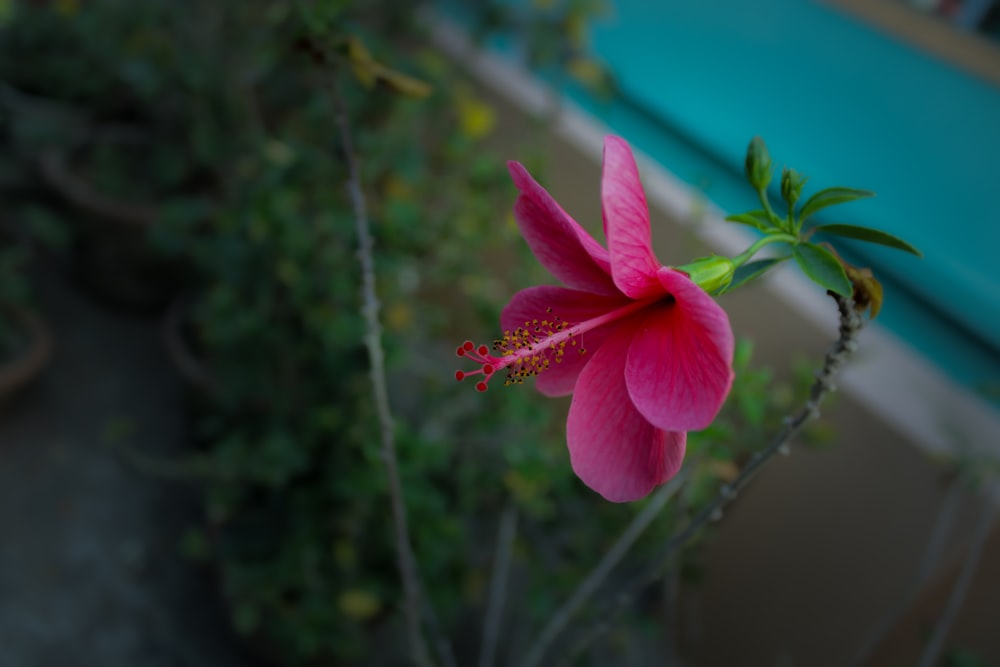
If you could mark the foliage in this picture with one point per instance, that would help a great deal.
(820, 263)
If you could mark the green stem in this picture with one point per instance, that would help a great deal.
(766, 203)
(745, 256)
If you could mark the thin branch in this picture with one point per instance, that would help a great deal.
(597, 576)
(986, 515)
(836, 356)
(932, 555)
(498, 586)
(373, 341)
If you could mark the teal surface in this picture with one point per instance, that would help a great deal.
(847, 105)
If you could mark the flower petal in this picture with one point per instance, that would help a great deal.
(559, 243)
(626, 222)
(679, 368)
(572, 307)
(612, 448)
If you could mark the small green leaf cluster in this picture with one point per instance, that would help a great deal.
(794, 230)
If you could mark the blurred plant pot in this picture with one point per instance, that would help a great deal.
(26, 349)
(113, 258)
(180, 349)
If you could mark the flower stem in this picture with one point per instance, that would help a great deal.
(597, 576)
(498, 586)
(836, 356)
(373, 341)
(932, 555)
(745, 256)
(987, 513)
(766, 203)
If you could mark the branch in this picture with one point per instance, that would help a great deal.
(373, 341)
(498, 586)
(836, 356)
(597, 576)
(932, 555)
(986, 515)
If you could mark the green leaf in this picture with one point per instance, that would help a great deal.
(757, 219)
(831, 197)
(823, 268)
(753, 270)
(869, 235)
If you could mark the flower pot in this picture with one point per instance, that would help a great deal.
(180, 350)
(112, 254)
(28, 354)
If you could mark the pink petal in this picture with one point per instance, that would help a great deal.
(572, 307)
(612, 448)
(559, 243)
(626, 222)
(679, 368)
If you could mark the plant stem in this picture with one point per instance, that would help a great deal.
(766, 203)
(982, 530)
(597, 576)
(373, 342)
(745, 256)
(932, 555)
(836, 356)
(498, 586)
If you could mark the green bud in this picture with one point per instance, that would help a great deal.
(712, 274)
(758, 164)
(791, 186)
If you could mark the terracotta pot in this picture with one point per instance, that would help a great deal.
(113, 257)
(18, 371)
(183, 357)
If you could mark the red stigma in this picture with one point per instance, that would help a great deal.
(479, 354)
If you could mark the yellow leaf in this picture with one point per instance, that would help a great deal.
(344, 554)
(727, 471)
(362, 63)
(403, 84)
(67, 7)
(368, 71)
(586, 71)
(358, 604)
(398, 317)
(475, 118)
(6, 11)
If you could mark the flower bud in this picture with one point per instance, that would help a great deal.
(712, 274)
(791, 185)
(758, 164)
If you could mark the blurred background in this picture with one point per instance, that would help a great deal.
(189, 456)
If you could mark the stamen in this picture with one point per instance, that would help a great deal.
(532, 348)
(525, 352)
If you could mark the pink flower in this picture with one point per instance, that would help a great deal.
(646, 353)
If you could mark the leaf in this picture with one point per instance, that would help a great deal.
(756, 219)
(753, 270)
(868, 234)
(823, 268)
(831, 197)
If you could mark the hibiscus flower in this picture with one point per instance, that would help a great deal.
(646, 352)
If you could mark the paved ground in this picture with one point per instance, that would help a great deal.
(89, 574)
